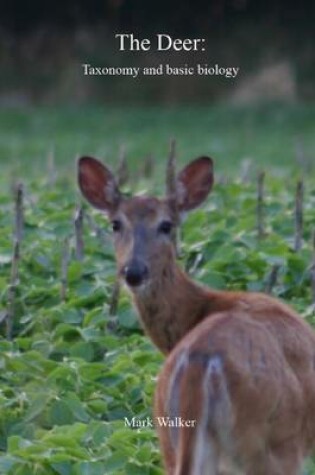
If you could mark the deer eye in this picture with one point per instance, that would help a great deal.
(116, 225)
(165, 227)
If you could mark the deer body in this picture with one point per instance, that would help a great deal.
(246, 375)
(240, 367)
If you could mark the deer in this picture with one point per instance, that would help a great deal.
(236, 393)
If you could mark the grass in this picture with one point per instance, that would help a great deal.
(266, 134)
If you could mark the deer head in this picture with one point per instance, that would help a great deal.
(142, 225)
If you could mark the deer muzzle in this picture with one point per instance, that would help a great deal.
(135, 273)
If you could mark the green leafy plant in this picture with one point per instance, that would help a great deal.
(72, 371)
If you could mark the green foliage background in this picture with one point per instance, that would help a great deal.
(72, 373)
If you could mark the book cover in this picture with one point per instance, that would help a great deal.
(207, 108)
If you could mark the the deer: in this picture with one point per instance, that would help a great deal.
(238, 387)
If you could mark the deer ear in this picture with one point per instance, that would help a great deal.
(97, 184)
(194, 183)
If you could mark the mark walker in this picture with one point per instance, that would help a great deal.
(136, 423)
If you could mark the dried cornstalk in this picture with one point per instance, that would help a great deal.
(122, 173)
(272, 278)
(51, 167)
(260, 204)
(113, 303)
(18, 211)
(171, 171)
(103, 237)
(17, 236)
(222, 180)
(148, 166)
(299, 197)
(246, 166)
(14, 279)
(171, 189)
(65, 259)
(78, 232)
(313, 270)
(303, 160)
(101, 234)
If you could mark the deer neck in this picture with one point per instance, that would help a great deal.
(170, 307)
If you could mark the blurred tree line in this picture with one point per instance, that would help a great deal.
(43, 44)
(180, 17)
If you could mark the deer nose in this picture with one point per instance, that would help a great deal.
(135, 273)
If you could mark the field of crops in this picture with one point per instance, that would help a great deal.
(72, 366)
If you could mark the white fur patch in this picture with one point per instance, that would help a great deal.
(216, 411)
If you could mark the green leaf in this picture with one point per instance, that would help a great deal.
(61, 413)
(89, 468)
(62, 468)
(84, 350)
(115, 462)
(76, 407)
(7, 462)
(128, 319)
(37, 407)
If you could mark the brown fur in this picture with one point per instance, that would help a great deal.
(241, 364)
